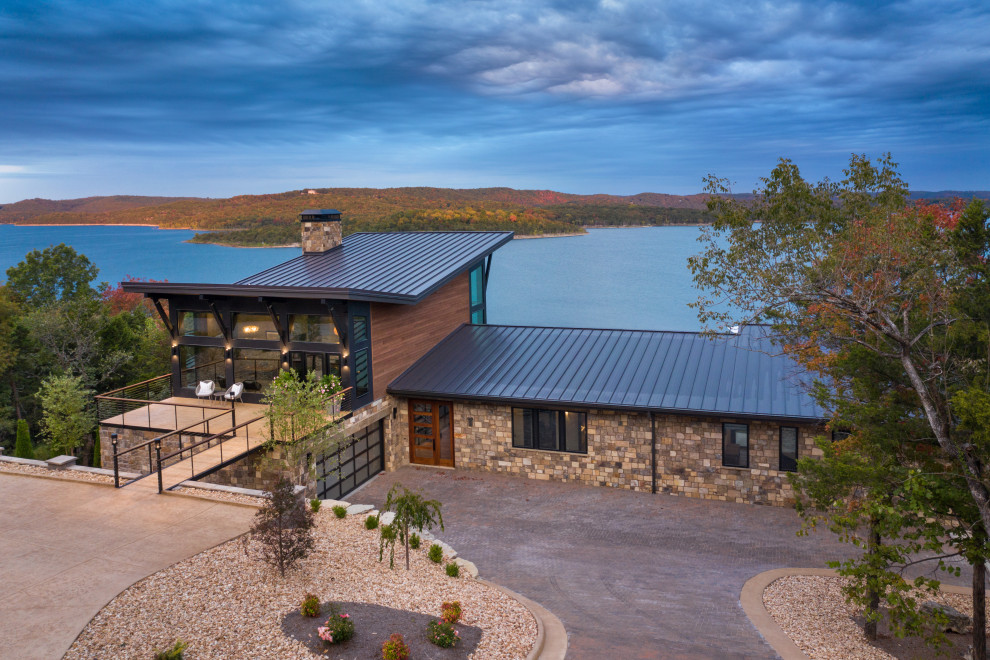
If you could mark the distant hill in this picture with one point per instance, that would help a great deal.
(950, 194)
(31, 208)
(272, 219)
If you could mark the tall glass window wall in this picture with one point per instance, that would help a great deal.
(198, 363)
(314, 328)
(254, 326)
(256, 368)
(198, 324)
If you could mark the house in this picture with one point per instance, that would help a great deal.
(401, 318)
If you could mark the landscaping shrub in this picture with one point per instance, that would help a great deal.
(315, 504)
(371, 522)
(174, 653)
(451, 612)
(283, 530)
(310, 606)
(23, 447)
(442, 634)
(339, 511)
(435, 553)
(453, 570)
(388, 535)
(338, 627)
(414, 541)
(395, 648)
(411, 512)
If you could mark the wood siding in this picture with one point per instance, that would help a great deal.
(401, 334)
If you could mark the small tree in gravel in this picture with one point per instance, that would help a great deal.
(411, 512)
(283, 528)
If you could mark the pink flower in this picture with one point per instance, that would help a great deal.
(325, 634)
(345, 616)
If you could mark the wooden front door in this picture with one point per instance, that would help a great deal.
(431, 433)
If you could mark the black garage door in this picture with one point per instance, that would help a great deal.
(357, 459)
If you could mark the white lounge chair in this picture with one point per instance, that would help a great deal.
(234, 393)
(205, 389)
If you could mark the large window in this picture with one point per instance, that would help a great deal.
(735, 445)
(198, 324)
(198, 363)
(552, 430)
(313, 327)
(361, 372)
(477, 277)
(255, 368)
(254, 326)
(788, 448)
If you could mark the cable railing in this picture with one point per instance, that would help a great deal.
(127, 398)
(157, 442)
(225, 437)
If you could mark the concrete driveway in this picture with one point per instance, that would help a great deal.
(68, 547)
(631, 575)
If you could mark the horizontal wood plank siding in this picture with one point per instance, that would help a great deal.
(401, 334)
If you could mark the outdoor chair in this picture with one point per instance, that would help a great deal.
(234, 393)
(205, 389)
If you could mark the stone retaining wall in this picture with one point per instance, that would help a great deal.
(689, 453)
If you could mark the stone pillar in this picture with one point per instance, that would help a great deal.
(321, 230)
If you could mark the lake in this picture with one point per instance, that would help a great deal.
(634, 278)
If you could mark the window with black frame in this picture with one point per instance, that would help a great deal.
(477, 301)
(788, 448)
(550, 430)
(735, 445)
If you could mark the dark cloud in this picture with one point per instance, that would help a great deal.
(517, 90)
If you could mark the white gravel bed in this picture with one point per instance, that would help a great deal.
(221, 495)
(76, 475)
(812, 610)
(225, 604)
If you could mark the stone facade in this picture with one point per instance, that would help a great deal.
(321, 236)
(261, 471)
(689, 453)
(137, 461)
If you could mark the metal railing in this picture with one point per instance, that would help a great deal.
(156, 442)
(128, 398)
(224, 437)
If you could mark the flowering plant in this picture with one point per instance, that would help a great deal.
(451, 612)
(310, 606)
(338, 627)
(395, 648)
(442, 634)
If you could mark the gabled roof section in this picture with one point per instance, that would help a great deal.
(675, 372)
(396, 267)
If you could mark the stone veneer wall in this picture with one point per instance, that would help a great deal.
(321, 236)
(136, 461)
(689, 453)
(261, 471)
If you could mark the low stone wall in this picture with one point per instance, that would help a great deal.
(689, 453)
(261, 471)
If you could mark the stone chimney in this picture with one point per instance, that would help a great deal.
(320, 230)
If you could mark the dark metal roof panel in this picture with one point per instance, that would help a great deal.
(626, 369)
(405, 265)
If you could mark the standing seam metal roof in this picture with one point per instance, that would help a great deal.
(405, 265)
(625, 369)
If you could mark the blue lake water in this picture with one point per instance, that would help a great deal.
(610, 278)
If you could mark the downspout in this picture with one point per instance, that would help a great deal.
(653, 453)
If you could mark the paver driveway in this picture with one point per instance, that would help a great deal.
(68, 547)
(631, 575)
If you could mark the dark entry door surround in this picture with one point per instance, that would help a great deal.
(431, 433)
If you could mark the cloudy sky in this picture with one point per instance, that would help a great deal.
(217, 98)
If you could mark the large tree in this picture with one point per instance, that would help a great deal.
(55, 273)
(838, 265)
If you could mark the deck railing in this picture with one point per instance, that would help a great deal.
(130, 397)
(226, 437)
(157, 442)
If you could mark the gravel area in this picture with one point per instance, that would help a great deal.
(226, 604)
(221, 495)
(60, 474)
(813, 612)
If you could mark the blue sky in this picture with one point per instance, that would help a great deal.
(222, 98)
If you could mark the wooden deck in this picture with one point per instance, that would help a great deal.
(179, 412)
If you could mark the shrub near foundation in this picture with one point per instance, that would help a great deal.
(339, 511)
(371, 522)
(174, 653)
(414, 541)
(315, 504)
(453, 570)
